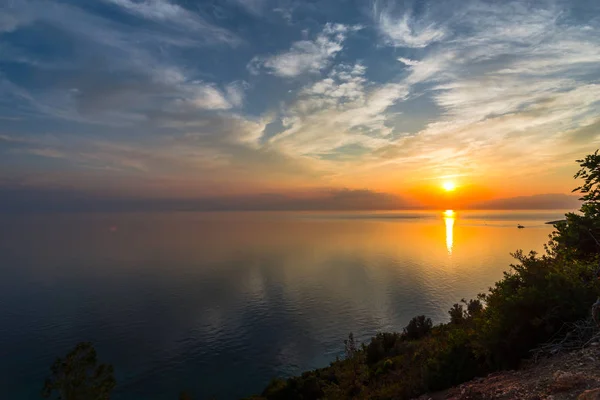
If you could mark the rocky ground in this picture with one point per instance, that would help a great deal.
(574, 375)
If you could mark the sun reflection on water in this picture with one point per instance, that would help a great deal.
(449, 221)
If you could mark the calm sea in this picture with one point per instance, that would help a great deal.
(219, 303)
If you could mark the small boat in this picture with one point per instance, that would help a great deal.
(520, 226)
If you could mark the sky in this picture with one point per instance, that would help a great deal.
(262, 103)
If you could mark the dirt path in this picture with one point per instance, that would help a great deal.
(564, 376)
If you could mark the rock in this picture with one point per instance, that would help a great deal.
(593, 394)
(564, 381)
(561, 375)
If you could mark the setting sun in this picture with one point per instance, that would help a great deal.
(449, 186)
(449, 213)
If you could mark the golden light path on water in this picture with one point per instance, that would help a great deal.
(449, 221)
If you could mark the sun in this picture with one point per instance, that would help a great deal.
(449, 186)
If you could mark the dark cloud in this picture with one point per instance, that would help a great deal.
(16, 198)
(536, 202)
(22, 199)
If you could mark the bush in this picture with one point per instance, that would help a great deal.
(531, 303)
(381, 346)
(457, 314)
(78, 376)
(418, 328)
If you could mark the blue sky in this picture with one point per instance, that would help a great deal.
(166, 98)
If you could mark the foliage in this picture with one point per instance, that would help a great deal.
(531, 303)
(457, 314)
(350, 346)
(79, 377)
(578, 237)
(590, 173)
(418, 328)
(383, 345)
(474, 306)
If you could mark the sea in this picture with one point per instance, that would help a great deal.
(218, 304)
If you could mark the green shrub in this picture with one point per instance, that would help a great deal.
(457, 314)
(418, 328)
(78, 376)
(381, 346)
(531, 303)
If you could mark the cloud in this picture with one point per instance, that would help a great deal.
(557, 201)
(407, 31)
(208, 97)
(235, 93)
(306, 56)
(344, 82)
(173, 25)
(166, 12)
(117, 75)
(9, 22)
(438, 66)
(15, 198)
(340, 110)
(408, 61)
(89, 154)
(254, 7)
(160, 10)
(184, 148)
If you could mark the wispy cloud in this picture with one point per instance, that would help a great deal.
(236, 93)
(306, 56)
(118, 75)
(408, 61)
(406, 30)
(346, 106)
(9, 22)
(174, 14)
(161, 10)
(209, 97)
(255, 7)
